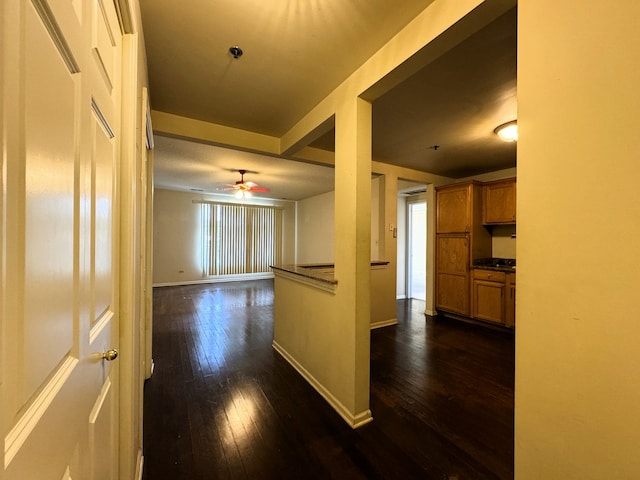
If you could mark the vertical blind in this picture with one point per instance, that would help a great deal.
(241, 239)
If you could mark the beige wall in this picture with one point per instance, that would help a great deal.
(314, 229)
(177, 244)
(503, 245)
(315, 336)
(578, 336)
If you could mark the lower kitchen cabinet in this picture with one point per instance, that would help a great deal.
(493, 296)
(488, 295)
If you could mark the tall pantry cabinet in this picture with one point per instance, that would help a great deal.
(460, 239)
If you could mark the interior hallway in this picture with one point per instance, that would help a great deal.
(223, 404)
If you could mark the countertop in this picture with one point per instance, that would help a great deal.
(498, 264)
(323, 273)
(318, 271)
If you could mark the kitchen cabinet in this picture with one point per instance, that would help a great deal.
(489, 295)
(452, 284)
(494, 296)
(460, 239)
(455, 208)
(499, 202)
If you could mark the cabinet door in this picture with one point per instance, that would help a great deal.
(452, 293)
(499, 202)
(488, 301)
(452, 278)
(452, 253)
(453, 209)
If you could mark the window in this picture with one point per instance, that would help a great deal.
(241, 239)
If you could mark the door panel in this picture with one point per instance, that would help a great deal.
(50, 130)
(452, 293)
(452, 252)
(105, 43)
(488, 300)
(60, 90)
(101, 434)
(103, 167)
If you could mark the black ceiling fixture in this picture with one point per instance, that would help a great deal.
(235, 51)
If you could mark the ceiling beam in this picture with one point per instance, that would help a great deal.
(214, 134)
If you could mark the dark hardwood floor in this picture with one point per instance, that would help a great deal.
(223, 404)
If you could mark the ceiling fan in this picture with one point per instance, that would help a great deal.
(244, 189)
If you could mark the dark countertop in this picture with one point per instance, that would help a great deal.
(498, 269)
(498, 264)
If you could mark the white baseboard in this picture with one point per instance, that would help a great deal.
(354, 421)
(139, 465)
(221, 279)
(384, 323)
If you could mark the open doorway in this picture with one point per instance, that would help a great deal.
(412, 240)
(417, 249)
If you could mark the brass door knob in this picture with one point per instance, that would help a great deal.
(110, 355)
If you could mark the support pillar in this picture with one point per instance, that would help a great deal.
(353, 240)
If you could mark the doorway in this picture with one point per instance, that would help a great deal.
(417, 250)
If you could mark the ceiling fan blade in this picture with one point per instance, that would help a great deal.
(245, 186)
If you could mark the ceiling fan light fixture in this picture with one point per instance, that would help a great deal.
(242, 189)
(508, 131)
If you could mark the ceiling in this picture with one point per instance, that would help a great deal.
(191, 166)
(295, 54)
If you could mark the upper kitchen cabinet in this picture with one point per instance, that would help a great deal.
(499, 202)
(457, 207)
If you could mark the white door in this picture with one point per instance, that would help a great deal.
(60, 91)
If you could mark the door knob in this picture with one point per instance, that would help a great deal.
(110, 355)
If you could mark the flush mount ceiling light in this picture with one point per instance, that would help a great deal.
(508, 131)
(236, 52)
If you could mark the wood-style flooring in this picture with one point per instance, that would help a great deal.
(222, 404)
